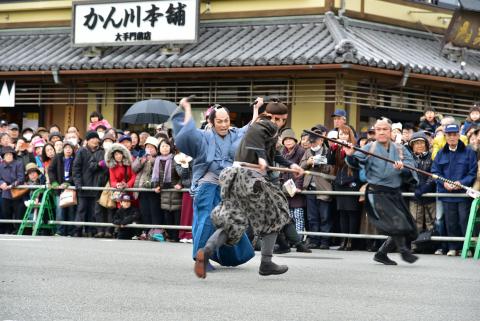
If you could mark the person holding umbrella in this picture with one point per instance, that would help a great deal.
(212, 151)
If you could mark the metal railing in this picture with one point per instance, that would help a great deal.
(185, 227)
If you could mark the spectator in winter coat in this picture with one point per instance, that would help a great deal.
(423, 209)
(440, 139)
(99, 170)
(48, 153)
(82, 176)
(457, 163)
(292, 152)
(126, 214)
(96, 119)
(60, 173)
(148, 201)
(429, 121)
(11, 175)
(346, 179)
(119, 162)
(318, 206)
(164, 176)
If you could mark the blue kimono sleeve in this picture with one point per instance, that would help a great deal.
(188, 138)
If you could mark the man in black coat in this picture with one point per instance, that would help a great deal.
(82, 176)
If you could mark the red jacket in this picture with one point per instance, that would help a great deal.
(117, 175)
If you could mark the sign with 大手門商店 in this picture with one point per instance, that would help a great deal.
(118, 23)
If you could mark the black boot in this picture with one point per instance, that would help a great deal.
(270, 268)
(343, 245)
(405, 252)
(381, 256)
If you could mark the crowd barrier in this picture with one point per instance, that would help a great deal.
(179, 227)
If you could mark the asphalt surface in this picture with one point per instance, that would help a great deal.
(57, 278)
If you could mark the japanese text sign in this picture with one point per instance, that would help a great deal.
(128, 22)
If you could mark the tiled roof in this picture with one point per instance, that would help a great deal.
(314, 40)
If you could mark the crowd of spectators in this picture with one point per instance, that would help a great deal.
(106, 156)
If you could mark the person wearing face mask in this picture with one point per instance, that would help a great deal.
(27, 133)
(249, 197)
(22, 152)
(318, 206)
(212, 151)
(148, 201)
(99, 170)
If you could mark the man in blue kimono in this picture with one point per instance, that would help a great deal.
(385, 205)
(212, 150)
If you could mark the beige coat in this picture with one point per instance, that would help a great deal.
(321, 183)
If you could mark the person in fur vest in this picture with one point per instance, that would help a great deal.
(119, 162)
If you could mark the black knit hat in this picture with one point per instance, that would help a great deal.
(91, 134)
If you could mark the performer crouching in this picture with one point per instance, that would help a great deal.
(248, 197)
(385, 205)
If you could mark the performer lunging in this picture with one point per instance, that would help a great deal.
(385, 205)
(212, 151)
(248, 197)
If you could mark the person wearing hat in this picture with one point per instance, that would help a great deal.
(440, 138)
(126, 140)
(423, 209)
(125, 215)
(27, 133)
(143, 168)
(60, 174)
(429, 121)
(371, 133)
(14, 132)
(458, 163)
(473, 118)
(386, 208)
(84, 176)
(318, 206)
(340, 118)
(292, 152)
(101, 176)
(33, 176)
(12, 174)
(54, 137)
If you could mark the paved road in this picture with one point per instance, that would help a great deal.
(48, 278)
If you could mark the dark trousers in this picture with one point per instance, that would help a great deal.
(150, 208)
(319, 219)
(85, 213)
(126, 233)
(288, 235)
(104, 215)
(456, 220)
(66, 214)
(172, 218)
(349, 221)
(11, 210)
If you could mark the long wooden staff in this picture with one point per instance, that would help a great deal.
(287, 170)
(470, 191)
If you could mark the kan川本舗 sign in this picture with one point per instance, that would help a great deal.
(128, 22)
